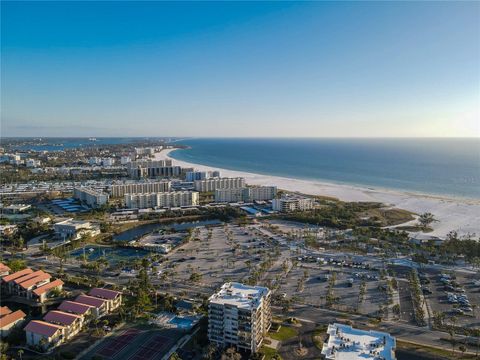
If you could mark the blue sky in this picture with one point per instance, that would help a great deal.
(240, 69)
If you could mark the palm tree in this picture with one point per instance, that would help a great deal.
(20, 353)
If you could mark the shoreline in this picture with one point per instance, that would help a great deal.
(456, 214)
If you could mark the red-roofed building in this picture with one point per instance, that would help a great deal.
(4, 310)
(113, 298)
(100, 305)
(72, 322)
(43, 334)
(9, 319)
(76, 308)
(6, 279)
(14, 285)
(41, 293)
(4, 269)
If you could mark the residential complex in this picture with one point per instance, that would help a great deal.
(247, 194)
(91, 197)
(30, 285)
(161, 199)
(345, 343)
(59, 326)
(292, 203)
(239, 315)
(210, 185)
(119, 190)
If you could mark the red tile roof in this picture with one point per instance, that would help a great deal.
(4, 267)
(33, 281)
(90, 300)
(42, 328)
(17, 274)
(4, 310)
(74, 307)
(51, 285)
(104, 293)
(28, 276)
(11, 318)
(61, 318)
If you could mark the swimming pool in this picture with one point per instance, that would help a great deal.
(182, 323)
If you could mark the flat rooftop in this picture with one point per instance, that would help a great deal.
(347, 343)
(239, 295)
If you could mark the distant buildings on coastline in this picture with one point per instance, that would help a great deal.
(119, 190)
(192, 176)
(290, 203)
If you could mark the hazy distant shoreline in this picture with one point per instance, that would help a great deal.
(456, 214)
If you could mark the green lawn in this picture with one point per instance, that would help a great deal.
(284, 333)
(270, 354)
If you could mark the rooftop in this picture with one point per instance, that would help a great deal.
(74, 307)
(17, 274)
(61, 318)
(11, 318)
(104, 293)
(4, 310)
(347, 343)
(37, 279)
(239, 295)
(89, 300)
(42, 328)
(28, 276)
(42, 289)
(4, 267)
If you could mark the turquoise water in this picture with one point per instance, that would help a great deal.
(431, 166)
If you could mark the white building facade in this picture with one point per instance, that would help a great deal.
(162, 199)
(210, 185)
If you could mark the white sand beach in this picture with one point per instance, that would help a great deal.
(461, 215)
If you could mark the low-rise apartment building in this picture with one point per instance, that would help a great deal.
(74, 229)
(113, 298)
(162, 199)
(72, 323)
(9, 319)
(239, 315)
(44, 335)
(90, 197)
(292, 203)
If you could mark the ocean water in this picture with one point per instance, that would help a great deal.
(430, 166)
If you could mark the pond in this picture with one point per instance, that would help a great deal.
(112, 254)
(135, 233)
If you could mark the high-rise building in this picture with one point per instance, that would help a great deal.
(191, 176)
(213, 184)
(152, 169)
(119, 190)
(161, 199)
(239, 315)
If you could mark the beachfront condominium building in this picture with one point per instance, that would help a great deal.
(191, 176)
(292, 203)
(89, 196)
(153, 169)
(210, 185)
(247, 194)
(119, 190)
(239, 315)
(161, 199)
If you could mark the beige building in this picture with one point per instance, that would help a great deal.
(162, 199)
(91, 197)
(292, 203)
(246, 194)
(119, 190)
(210, 185)
(239, 315)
